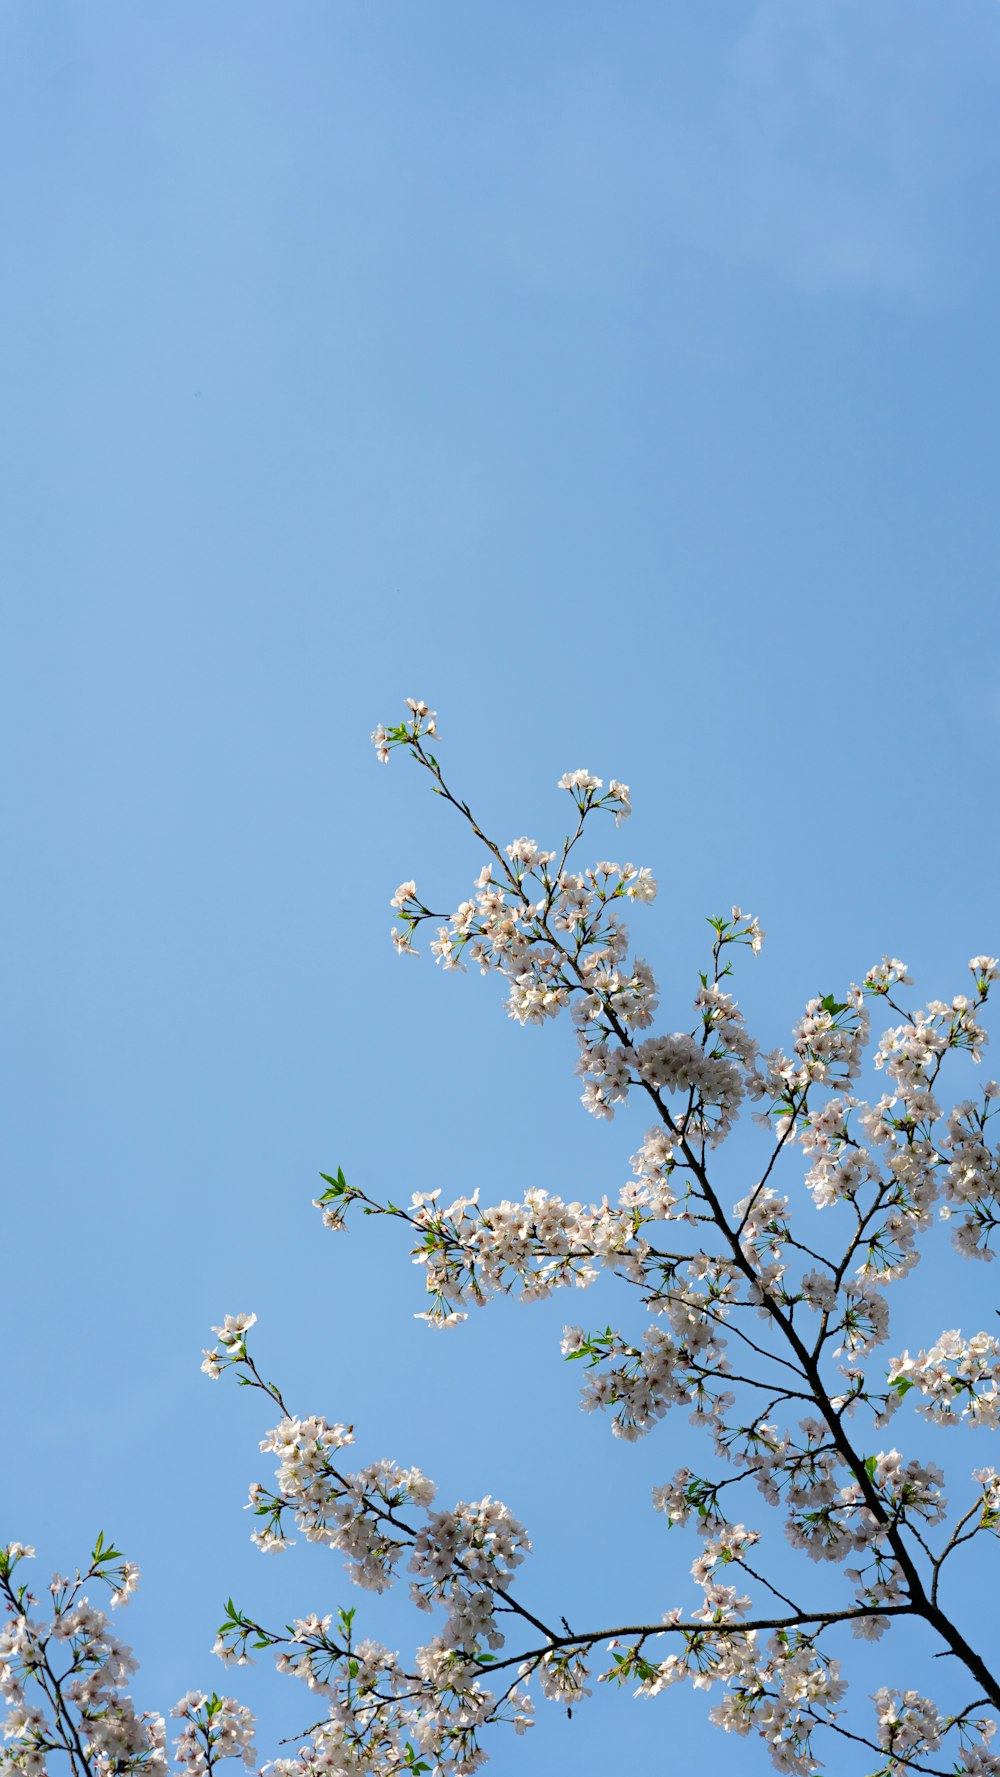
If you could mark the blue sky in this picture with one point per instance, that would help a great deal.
(623, 380)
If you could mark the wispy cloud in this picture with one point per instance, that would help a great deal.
(862, 140)
(844, 145)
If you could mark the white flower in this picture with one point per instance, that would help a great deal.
(234, 1329)
(579, 780)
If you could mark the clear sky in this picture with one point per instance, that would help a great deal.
(621, 379)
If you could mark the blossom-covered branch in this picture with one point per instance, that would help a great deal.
(63, 1678)
(763, 1319)
(554, 931)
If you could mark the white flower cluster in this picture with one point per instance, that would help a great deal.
(960, 1378)
(376, 1710)
(640, 1384)
(462, 1560)
(562, 1676)
(781, 1693)
(831, 1521)
(712, 1068)
(214, 1728)
(714, 1083)
(232, 1336)
(77, 1671)
(972, 1178)
(96, 1668)
(350, 1512)
(722, 1603)
(829, 1039)
(556, 936)
(887, 974)
(466, 1558)
(421, 721)
(909, 1725)
(840, 1167)
(470, 1253)
(781, 1696)
(910, 1052)
(654, 1188)
(830, 1517)
(553, 935)
(582, 785)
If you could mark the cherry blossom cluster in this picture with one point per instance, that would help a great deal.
(911, 1726)
(231, 1348)
(466, 1558)
(972, 1173)
(63, 1679)
(379, 1718)
(463, 1558)
(641, 1383)
(960, 1377)
(213, 1728)
(536, 1245)
(461, 1561)
(781, 1691)
(349, 1511)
